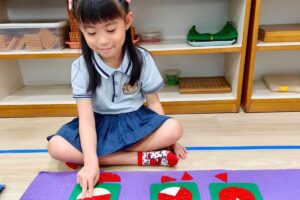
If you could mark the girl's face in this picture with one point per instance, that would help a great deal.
(107, 38)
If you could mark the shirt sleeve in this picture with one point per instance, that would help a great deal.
(151, 80)
(80, 80)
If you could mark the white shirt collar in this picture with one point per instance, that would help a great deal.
(106, 71)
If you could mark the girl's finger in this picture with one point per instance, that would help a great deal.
(84, 188)
(90, 187)
(96, 179)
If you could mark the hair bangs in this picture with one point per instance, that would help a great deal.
(95, 11)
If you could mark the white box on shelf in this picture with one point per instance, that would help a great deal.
(33, 36)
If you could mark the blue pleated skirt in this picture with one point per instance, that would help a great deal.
(115, 131)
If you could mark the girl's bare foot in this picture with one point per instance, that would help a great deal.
(179, 150)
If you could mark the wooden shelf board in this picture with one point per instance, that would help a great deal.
(45, 110)
(62, 94)
(65, 110)
(180, 46)
(63, 53)
(273, 105)
(166, 47)
(260, 91)
(56, 100)
(39, 95)
(189, 107)
(277, 46)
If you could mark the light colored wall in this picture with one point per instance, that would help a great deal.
(10, 77)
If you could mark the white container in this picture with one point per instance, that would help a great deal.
(151, 37)
(33, 36)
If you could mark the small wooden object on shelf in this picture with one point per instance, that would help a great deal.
(279, 33)
(151, 37)
(203, 85)
(283, 83)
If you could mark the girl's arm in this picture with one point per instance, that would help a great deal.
(89, 174)
(87, 130)
(154, 103)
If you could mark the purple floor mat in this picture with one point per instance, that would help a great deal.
(273, 184)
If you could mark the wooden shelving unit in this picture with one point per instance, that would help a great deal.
(38, 83)
(270, 58)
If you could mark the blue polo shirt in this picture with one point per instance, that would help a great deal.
(115, 95)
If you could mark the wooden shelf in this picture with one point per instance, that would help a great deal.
(62, 94)
(63, 53)
(31, 95)
(180, 46)
(16, 70)
(60, 97)
(166, 47)
(277, 46)
(264, 100)
(256, 96)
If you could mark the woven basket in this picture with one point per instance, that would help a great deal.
(74, 35)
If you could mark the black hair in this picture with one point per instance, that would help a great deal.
(94, 11)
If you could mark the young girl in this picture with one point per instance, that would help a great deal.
(110, 82)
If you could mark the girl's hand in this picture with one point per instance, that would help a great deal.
(87, 177)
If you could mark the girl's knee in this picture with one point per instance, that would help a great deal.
(56, 147)
(176, 129)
